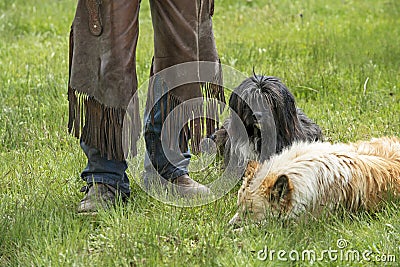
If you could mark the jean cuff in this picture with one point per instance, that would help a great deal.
(100, 179)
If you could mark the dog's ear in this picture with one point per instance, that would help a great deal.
(251, 169)
(280, 189)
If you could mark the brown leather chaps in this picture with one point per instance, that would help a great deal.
(102, 69)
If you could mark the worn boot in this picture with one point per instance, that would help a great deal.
(98, 196)
(187, 187)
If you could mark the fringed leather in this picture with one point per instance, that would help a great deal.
(102, 127)
(199, 119)
(195, 121)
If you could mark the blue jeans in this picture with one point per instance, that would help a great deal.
(169, 163)
(112, 172)
(101, 170)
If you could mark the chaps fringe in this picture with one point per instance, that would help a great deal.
(102, 127)
(199, 120)
(194, 121)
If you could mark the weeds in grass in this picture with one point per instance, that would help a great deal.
(339, 58)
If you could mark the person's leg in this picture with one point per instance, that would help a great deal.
(178, 29)
(106, 180)
(163, 163)
(101, 170)
(169, 163)
(102, 80)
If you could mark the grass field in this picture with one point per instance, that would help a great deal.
(341, 59)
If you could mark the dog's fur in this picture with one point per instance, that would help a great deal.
(266, 108)
(309, 177)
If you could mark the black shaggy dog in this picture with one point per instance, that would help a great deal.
(266, 120)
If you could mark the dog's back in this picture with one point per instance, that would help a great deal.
(387, 147)
(320, 175)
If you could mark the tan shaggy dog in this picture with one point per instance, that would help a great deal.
(309, 177)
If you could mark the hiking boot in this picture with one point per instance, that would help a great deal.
(98, 196)
(186, 187)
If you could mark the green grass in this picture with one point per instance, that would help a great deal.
(341, 59)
